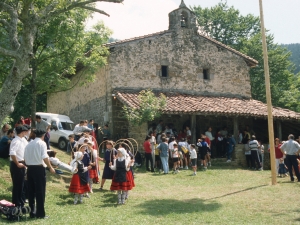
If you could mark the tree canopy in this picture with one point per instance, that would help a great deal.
(21, 22)
(243, 33)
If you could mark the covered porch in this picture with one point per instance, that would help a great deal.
(200, 112)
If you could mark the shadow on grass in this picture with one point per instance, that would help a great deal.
(109, 200)
(66, 199)
(236, 192)
(170, 206)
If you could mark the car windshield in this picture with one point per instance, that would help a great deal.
(65, 126)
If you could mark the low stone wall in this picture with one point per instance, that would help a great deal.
(239, 158)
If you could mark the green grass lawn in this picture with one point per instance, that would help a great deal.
(221, 195)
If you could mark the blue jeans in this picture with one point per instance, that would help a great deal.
(47, 140)
(229, 151)
(165, 163)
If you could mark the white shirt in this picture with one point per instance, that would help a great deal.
(290, 147)
(17, 147)
(193, 153)
(75, 167)
(171, 145)
(54, 161)
(209, 135)
(35, 152)
(127, 162)
(188, 133)
(81, 141)
(183, 143)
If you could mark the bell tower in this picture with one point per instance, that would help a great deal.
(182, 18)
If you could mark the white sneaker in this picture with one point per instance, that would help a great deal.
(228, 160)
(205, 168)
(186, 167)
(209, 163)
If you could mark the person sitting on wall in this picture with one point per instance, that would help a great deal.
(5, 144)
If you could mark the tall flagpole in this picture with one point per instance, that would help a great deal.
(268, 95)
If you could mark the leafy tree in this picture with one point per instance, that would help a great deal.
(150, 107)
(295, 57)
(19, 25)
(242, 33)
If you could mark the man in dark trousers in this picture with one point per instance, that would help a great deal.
(17, 165)
(36, 159)
(291, 150)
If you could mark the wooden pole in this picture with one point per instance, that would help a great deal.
(268, 95)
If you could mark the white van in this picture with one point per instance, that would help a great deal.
(61, 128)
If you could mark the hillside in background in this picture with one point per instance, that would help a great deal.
(295, 57)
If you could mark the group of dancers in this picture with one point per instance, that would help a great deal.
(85, 168)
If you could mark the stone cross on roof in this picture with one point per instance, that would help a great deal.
(182, 4)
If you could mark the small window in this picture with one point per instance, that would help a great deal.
(164, 71)
(205, 74)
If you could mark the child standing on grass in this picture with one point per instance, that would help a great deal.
(193, 157)
(79, 184)
(282, 168)
(122, 180)
(203, 149)
(93, 173)
(175, 157)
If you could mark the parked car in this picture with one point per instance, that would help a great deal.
(61, 128)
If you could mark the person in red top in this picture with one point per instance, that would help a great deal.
(278, 153)
(148, 154)
(207, 157)
(28, 121)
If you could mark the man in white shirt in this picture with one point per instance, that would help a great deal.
(291, 150)
(79, 129)
(36, 159)
(17, 165)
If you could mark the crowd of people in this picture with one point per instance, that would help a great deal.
(164, 145)
(29, 153)
(30, 156)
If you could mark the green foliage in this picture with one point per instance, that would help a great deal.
(150, 107)
(295, 57)
(62, 46)
(22, 105)
(242, 33)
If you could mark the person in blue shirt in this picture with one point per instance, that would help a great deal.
(5, 144)
(230, 146)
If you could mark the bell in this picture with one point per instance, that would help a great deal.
(183, 24)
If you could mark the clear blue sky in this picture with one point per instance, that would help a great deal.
(141, 17)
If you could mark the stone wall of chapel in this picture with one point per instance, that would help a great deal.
(83, 101)
(137, 65)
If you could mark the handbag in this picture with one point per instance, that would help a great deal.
(184, 149)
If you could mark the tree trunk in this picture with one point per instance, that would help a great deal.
(12, 86)
(13, 82)
(33, 91)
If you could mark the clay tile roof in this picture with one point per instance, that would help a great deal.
(203, 105)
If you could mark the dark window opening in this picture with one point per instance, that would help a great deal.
(164, 71)
(205, 74)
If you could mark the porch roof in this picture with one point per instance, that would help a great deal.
(178, 103)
